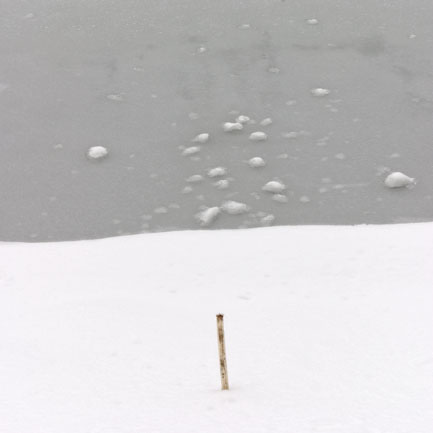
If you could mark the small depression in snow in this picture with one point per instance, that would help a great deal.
(130, 120)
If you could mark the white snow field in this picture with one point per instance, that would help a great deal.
(328, 329)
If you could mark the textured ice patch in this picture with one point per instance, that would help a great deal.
(229, 126)
(234, 207)
(217, 171)
(256, 162)
(319, 91)
(274, 186)
(201, 138)
(192, 150)
(97, 152)
(258, 136)
(398, 180)
(208, 216)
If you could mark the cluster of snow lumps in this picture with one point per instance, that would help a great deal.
(234, 207)
(208, 216)
(256, 162)
(230, 127)
(266, 122)
(97, 152)
(258, 136)
(217, 172)
(274, 186)
(192, 150)
(320, 91)
(398, 180)
(201, 138)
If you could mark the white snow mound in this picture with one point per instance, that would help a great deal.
(234, 207)
(229, 127)
(97, 152)
(217, 171)
(258, 136)
(256, 162)
(398, 180)
(274, 186)
(201, 138)
(208, 216)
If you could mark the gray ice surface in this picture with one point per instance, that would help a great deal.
(143, 78)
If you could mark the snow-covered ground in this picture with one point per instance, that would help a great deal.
(328, 329)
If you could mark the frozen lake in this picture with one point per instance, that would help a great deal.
(144, 78)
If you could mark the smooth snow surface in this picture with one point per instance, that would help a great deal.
(97, 152)
(398, 180)
(328, 329)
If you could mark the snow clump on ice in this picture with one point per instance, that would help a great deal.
(208, 216)
(398, 180)
(320, 92)
(280, 198)
(258, 136)
(217, 171)
(242, 119)
(97, 152)
(312, 21)
(195, 178)
(256, 162)
(267, 220)
(222, 184)
(201, 138)
(234, 207)
(266, 122)
(229, 127)
(274, 186)
(191, 150)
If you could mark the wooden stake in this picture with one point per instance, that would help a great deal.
(222, 352)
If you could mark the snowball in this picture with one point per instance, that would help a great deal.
(280, 198)
(312, 21)
(242, 119)
(258, 136)
(304, 199)
(208, 216)
(320, 92)
(201, 138)
(398, 180)
(234, 207)
(97, 152)
(340, 156)
(222, 184)
(217, 171)
(161, 210)
(228, 126)
(274, 186)
(191, 150)
(266, 122)
(256, 162)
(195, 178)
